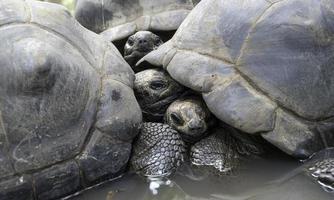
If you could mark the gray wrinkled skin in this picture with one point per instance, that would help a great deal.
(158, 150)
(323, 171)
(190, 117)
(223, 151)
(138, 45)
(264, 67)
(64, 122)
(155, 90)
(321, 168)
(118, 19)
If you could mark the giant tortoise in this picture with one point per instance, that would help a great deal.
(190, 136)
(263, 66)
(118, 19)
(65, 99)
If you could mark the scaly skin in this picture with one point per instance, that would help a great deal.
(320, 166)
(158, 150)
(223, 150)
(323, 171)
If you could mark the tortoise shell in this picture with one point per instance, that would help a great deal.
(63, 91)
(263, 66)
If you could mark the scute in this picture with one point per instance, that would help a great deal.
(226, 24)
(62, 90)
(48, 98)
(289, 55)
(17, 188)
(119, 19)
(13, 11)
(259, 64)
(67, 27)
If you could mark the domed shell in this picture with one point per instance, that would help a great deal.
(63, 91)
(122, 18)
(263, 66)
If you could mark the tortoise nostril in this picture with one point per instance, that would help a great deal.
(142, 41)
(195, 128)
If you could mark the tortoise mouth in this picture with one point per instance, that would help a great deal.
(143, 49)
(138, 53)
(191, 139)
(133, 58)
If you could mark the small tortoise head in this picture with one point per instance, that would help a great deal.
(140, 44)
(190, 117)
(155, 90)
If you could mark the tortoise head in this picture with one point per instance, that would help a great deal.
(140, 44)
(190, 117)
(155, 90)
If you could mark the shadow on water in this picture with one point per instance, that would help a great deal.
(261, 179)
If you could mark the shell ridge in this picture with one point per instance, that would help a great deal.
(64, 38)
(252, 29)
(255, 86)
(257, 89)
(28, 10)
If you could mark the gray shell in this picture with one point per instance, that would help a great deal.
(65, 95)
(263, 66)
(122, 18)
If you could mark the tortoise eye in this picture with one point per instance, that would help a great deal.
(130, 41)
(158, 85)
(158, 41)
(176, 119)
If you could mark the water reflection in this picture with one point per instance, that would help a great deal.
(274, 178)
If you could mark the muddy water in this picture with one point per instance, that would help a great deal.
(273, 178)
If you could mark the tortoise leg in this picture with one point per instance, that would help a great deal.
(158, 150)
(323, 171)
(224, 150)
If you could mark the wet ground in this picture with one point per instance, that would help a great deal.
(273, 178)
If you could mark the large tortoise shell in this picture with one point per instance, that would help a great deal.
(65, 99)
(263, 66)
(120, 19)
